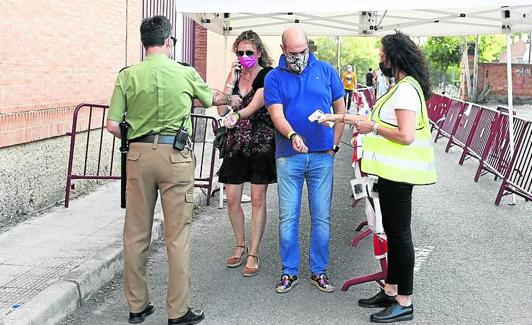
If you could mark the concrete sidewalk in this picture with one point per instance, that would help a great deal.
(49, 265)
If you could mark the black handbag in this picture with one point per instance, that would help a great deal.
(220, 140)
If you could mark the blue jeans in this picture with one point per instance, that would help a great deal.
(317, 170)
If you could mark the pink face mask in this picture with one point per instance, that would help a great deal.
(248, 62)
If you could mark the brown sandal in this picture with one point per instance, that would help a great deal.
(236, 261)
(251, 271)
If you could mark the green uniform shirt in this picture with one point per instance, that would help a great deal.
(158, 93)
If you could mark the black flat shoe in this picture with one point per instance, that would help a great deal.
(394, 313)
(380, 300)
(191, 317)
(137, 318)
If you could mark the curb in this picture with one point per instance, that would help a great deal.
(62, 298)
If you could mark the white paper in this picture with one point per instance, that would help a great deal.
(314, 117)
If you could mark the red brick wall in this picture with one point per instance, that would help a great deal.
(495, 74)
(56, 55)
(200, 50)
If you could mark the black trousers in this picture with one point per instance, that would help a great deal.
(347, 98)
(396, 207)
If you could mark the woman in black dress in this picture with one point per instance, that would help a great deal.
(250, 147)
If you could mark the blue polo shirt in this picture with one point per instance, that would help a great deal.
(301, 94)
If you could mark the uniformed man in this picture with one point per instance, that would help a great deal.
(155, 97)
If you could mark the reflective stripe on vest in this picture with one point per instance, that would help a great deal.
(413, 163)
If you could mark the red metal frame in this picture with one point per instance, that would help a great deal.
(466, 128)
(451, 120)
(496, 156)
(203, 177)
(438, 111)
(518, 178)
(481, 134)
(71, 176)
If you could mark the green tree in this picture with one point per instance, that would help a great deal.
(442, 53)
(491, 47)
(360, 52)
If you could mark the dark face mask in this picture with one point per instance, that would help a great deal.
(385, 71)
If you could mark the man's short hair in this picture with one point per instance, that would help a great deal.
(154, 30)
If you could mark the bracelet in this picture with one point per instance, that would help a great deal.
(293, 135)
(230, 86)
(228, 97)
(290, 134)
(237, 116)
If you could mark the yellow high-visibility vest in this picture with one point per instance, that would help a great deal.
(413, 163)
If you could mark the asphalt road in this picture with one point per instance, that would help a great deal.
(473, 259)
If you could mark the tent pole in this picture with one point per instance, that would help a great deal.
(510, 95)
(225, 57)
(467, 72)
(474, 90)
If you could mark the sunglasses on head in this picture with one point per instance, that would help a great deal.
(247, 53)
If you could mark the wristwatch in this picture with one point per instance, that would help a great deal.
(336, 148)
(375, 129)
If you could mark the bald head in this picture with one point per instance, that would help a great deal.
(294, 39)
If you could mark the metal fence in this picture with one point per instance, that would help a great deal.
(92, 145)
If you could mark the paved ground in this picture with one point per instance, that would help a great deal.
(473, 258)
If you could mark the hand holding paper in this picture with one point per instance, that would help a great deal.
(317, 115)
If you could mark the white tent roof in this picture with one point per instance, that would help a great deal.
(357, 18)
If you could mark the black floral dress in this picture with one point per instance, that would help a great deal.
(250, 144)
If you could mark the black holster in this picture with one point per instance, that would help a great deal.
(124, 147)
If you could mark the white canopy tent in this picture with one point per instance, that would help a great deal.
(354, 18)
(368, 18)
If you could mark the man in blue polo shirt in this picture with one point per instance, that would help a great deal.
(299, 86)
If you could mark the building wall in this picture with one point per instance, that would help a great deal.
(55, 55)
(68, 53)
(494, 74)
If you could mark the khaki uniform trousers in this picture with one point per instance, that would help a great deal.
(153, 167)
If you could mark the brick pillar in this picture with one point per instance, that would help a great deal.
(200, 50)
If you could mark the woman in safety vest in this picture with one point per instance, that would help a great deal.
(397, 148)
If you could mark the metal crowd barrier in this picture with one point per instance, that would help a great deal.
(369, 94)
(483, 133)
(81, 110)
(203, 128)
(496, 156)
(452, 119)
(469, 121)
(518, 178)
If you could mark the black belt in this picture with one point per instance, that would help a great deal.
(163, 139)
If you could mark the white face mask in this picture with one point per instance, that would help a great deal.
(297, 62)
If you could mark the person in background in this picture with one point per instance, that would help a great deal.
(157, 95)
(251, 147)
(349, 79)
(398, 149)
(298, 87)
(370, 78)
(383, 83)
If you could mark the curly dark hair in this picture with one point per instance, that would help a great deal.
(253, 38)
(402, 54)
